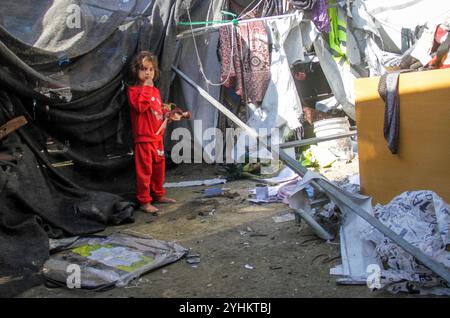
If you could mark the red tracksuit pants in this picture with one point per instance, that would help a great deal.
(150, 171)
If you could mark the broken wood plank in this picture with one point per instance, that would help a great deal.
(12, 126)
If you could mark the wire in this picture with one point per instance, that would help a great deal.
(210, 11)
(207, 80)
(254, 8)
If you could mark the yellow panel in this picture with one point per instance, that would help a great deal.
(424, 147)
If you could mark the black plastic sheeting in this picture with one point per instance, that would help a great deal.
(71, 86)
(38, 203)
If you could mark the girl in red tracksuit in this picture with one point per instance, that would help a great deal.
(148, 116)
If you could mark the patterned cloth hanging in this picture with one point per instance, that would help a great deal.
(248, 68)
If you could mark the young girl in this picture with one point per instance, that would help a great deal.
(148, 119)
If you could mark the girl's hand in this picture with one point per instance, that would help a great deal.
(187, 115)
(176, 115)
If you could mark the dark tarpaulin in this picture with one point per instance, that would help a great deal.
(37, 203)
(92, 109)
(70, 85)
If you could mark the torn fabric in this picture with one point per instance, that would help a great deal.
(388, 90)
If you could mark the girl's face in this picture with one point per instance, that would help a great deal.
(146, 71)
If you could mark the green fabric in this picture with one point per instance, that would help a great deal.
(337, 38)
(145, 260)
(86, 250)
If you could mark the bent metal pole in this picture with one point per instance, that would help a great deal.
(436, 267)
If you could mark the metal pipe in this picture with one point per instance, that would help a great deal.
(305, 142)
(319, 230)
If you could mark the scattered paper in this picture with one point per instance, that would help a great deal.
(284, 218)
(285, 175)
(207, 182)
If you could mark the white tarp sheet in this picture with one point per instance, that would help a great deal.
(423, 219)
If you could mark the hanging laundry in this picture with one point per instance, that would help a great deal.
(320, 16)
(388, 90)
(303, 4)
(408, 39)
(244, 52)
(281, 107)
(337, 37)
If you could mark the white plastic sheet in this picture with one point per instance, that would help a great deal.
(103, 262)
(281, 106)
(423, 219)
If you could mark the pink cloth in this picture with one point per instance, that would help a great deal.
(248, 70)
(287, 190)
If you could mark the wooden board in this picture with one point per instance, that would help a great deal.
(424, 148)
(11, 126)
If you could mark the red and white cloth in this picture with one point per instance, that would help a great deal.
(248, 68)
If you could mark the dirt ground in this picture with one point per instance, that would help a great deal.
(283, 259)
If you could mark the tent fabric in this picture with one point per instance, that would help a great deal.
(340, 78)
(37, 202)
(392, 34)
(396, 16)
(69, 84)
(53, 28)
(90, 108)
(97, 41)
(183, 94)
(281, 107)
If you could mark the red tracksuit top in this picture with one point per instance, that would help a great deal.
(147, 113)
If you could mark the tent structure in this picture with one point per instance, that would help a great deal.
(63, 65)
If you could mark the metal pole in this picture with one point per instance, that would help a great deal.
(318, 229)
(436, 267)
(305, 142)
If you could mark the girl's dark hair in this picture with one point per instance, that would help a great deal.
(138, 61)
